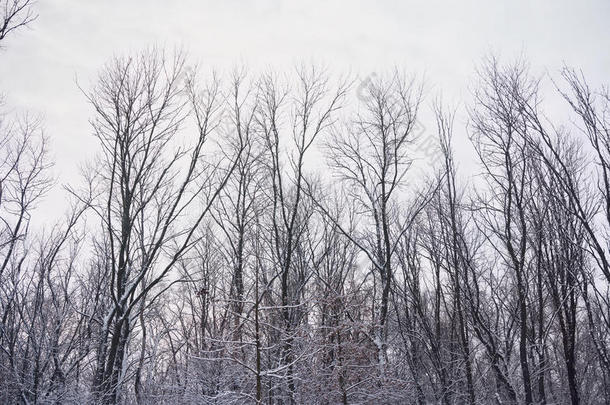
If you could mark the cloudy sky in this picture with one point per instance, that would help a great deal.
(71, 39)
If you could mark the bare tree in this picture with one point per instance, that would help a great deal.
(313, 107)
(15, 14)
(372, 157)
(41, 338)
(580, 200)
(24, 180)
(500, 137)
(147, 184)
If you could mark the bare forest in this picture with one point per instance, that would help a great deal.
(282, 237)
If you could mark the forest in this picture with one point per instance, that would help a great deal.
(282, 237)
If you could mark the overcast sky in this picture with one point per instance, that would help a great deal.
(445, 40)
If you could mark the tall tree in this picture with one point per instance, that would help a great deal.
(145, 185)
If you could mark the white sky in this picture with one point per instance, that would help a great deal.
(443, 39)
